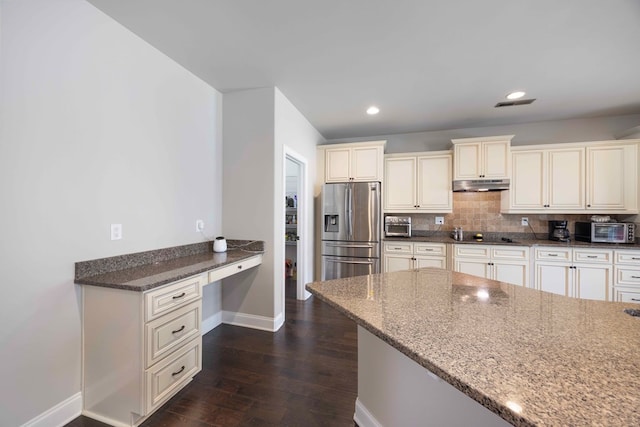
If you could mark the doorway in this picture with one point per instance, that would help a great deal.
(296, 226)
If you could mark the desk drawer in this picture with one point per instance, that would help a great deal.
(236, 267)
(167, 298)
(168, 376)
(169, 332)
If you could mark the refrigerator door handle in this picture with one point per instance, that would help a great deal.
(340, 245)
(339, 261)
(350, 211)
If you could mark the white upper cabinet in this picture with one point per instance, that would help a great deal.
(400, 183)
(612, 180)
(482, 158)
(574, 178)
(545, 180)
(354, 162)
(418, 182)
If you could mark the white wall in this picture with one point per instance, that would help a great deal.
(576, 130)
(258, 123)
(249, 195)
(97, 127)
(294, 132)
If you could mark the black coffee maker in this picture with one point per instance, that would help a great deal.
(558, 231)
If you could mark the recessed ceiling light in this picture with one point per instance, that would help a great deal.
(373, 110)
(516, 95)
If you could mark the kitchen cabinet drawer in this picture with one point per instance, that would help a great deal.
(170, 374)
(628, 257)
(593, 256)
(236, 267)
(167, 298)
(167, 333)
(626, 295)
(430, 249)
(520, 253)
(627, 276)
(553, 254)
(424, 262)
(399, 248)
(472, 251)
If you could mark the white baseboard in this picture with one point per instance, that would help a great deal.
(60, 414)
(211, 322)
(105, 420)
(252, 321)
(363, 417)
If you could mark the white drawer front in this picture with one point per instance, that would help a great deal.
(520, 253)
(430, 249)
(236, 267)
(627, 257)
(593, 256)
(170, 297)
(627, 276)
(167, 333)
(472, 251)
(626, 295)
(553, 254)
(398, 248)
(169, 375)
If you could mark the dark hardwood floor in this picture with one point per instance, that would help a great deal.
(303, 375)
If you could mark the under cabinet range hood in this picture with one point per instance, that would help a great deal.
(475, 185)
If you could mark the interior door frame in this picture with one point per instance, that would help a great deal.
(303, 248)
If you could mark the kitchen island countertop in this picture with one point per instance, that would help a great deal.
(532, 357)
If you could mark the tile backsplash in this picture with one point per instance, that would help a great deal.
(480, 212)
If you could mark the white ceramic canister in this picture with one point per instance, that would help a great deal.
(220, 244)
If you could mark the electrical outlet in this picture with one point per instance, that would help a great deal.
(439, 220)
(199, 225)
(524, 221)
(116, 231)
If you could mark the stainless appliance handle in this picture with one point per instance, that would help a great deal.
(348, 245)
(346, 210)
(338, 261)
(350, 211)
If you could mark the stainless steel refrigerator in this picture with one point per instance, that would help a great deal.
(351, 229)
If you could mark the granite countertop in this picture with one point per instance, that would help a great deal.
(532, 357)
(143, 271)
(495, 238)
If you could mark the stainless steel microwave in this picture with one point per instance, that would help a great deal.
(605, 232)
(397, 226)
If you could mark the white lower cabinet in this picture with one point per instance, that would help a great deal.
(575, 272)
(139, 348)
(400, 256)
(508, 264)
(626, 282)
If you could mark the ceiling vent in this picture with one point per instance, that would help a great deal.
(515, 102)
